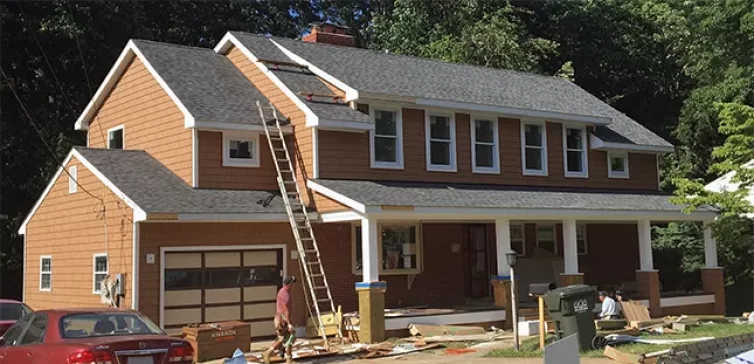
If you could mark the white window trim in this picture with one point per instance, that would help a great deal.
(554, 235)
(427, 143)
(398, 164)
(618, 174)
(73, 176)
(584, 151)
(523, 236)
(238, 162)
(534, 172)
(116, 128)
(94, 271)
(388, 272)
(42, 272)
(495, 169)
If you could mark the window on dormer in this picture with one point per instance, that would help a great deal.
(617, 164)
(240, 150)
(484, 146)
(441, 140)
(386, 143)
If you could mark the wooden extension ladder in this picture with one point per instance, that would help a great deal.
(318, 298)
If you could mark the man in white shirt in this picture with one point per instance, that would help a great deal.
(610, 309)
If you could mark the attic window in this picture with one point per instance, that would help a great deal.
(115, 138)
(240, 150)
(72, 179)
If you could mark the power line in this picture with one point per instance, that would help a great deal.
(36, 127)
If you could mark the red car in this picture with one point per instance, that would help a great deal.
(95, 336)
(10, 312)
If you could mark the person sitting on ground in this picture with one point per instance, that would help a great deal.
(610, 308)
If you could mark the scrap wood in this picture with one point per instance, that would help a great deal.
(459, 351)
(401, 349)
(464, 338)
(440, 330)
(621, 357)
(610, 324)
(635, 311)
(648, 324)
(619, 339)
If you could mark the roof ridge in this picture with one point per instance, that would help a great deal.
(421, 58)
(82, 147)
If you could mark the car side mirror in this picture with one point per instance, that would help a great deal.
(2, 341)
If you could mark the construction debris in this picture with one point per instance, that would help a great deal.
(381, 351)
(444, 330)
(490, 336)
(618, 339)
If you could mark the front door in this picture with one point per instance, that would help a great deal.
(477, 263)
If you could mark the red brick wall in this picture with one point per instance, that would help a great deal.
(441, 284)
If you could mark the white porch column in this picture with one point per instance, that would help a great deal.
(503, 244)
(369, 254)
(645, 246)
(570, 248)
(710, 248)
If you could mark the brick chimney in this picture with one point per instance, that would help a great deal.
(331, 34)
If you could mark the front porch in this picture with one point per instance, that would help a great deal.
(604, 242)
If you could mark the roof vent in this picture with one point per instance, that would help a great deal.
(326, 32)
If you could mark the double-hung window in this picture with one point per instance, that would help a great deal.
(484, 150)
(240, 150)
(581, 245)
(518, 243)
(546, 238)
(387, 144)
(441, 142)
(617, 164)
(45, 273)
(100, 269)
(534, 148)
(574, 149)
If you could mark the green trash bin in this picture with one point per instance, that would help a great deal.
(571, 309)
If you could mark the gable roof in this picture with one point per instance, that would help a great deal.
(300, 80)
(434, 83)
(148, 187)
(206, 87)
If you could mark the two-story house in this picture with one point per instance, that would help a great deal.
(419, 174)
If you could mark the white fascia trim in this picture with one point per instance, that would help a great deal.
(526, 113)
(316, 187)
(135, 266)
(22, 229)
(164, 250)
(194, 158)
(315, 153)
(349, 126)
(481, 213)
(230, 40)
(235, 217)
(340, 216)
(598, 144)
(351, 93)
(82, 123)
(212, 126)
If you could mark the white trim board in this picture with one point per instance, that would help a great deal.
(598, 144)
(164, 250)
(340, 216)
(128, 53)
(401, 323)
(139, 214)
(135, 266)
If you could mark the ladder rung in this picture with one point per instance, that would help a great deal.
(281, 160)
(323, 300)
(320, 287)
(279, 149)
(309, 251)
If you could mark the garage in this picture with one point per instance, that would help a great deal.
(222, 285)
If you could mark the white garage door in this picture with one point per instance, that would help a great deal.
(228, 285)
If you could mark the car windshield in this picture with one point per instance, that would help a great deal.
(12, 311)
(107, 324)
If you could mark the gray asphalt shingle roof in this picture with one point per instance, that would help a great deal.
(207, 83)
(298, 80)
(383, 73)
(377, 193)
(156, 189)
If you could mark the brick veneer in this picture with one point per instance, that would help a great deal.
(714, 282)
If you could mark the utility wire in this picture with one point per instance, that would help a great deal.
(36, 127)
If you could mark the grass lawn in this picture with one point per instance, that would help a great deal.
(530, 346)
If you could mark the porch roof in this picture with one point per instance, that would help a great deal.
(382, 196)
